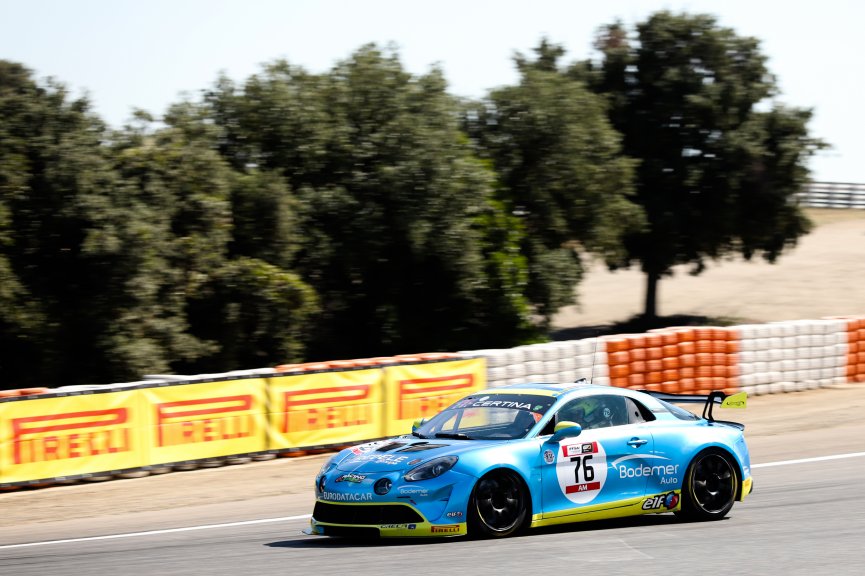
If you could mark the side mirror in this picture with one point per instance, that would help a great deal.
(565, 429)
(417, 424)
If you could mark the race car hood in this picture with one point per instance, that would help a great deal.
(402, 454)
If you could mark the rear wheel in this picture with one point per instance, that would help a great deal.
(499, 505)
(710, 486)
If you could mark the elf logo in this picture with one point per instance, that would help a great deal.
(669, 501)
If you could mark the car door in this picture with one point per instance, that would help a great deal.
(601, 468)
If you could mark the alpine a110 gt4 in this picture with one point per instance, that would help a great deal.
(527, 455)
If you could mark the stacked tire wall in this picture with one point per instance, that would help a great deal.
(756, 358)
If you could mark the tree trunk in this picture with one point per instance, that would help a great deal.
(650, 311)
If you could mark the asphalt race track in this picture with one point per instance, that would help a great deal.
(805, 517)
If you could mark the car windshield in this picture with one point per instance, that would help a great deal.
(498, 416)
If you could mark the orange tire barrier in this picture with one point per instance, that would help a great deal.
(288, 368)
(675, 360)
(342, 364)
(856, 349)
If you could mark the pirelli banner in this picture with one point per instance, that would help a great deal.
(70, 436)
(421, 390)
(73, 435)
(196, 421)
(319, 409)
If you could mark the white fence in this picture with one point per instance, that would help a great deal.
(833, 195)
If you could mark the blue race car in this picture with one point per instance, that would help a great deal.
(505, 459)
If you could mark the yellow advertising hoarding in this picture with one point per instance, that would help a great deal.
(325, 408)
(205, 420)
(56, 437)
(421, 390)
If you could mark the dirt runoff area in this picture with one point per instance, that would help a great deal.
(823, 276)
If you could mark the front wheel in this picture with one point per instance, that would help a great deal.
(710, 486)
(498, 505)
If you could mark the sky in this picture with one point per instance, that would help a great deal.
(148, 54)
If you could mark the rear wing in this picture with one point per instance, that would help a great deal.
(738, 400)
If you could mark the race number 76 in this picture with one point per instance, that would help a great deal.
(584, 463)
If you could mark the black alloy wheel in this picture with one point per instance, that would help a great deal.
(710, 486)
(498, 506)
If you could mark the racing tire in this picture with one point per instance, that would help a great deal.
(710, 486)
(498, 506)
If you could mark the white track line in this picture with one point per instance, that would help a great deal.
(305, 516)
(153, 532)
(808, 460)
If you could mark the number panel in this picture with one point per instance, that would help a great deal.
(580, 471)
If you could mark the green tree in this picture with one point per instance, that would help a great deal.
(214, 279)
(401, 234)
(561, 171)
(59, 229)
(116, 246)
(718, 170)
(20, 315)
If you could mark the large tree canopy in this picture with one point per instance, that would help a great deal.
(561, 171)
(402, 237)
(718, 167)
(56, 231)
(113, 245)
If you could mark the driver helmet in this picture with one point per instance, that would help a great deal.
(587, 411)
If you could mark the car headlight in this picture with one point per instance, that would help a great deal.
(432, 469)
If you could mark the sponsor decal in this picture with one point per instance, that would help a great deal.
(513, 402)
(380, 458)
(227, 418)
(398, 526)
(413, 491)
(419, 397)
(581, 469)
(451, 529)
(346, 497)
(70, 435)
(577, 449)
(485, 402)
(669, 501)
(456, 514)
(549, 456)
(351, 477)
(668, 473)
(313, 409)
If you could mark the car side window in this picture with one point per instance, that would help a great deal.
(637, 412)
(600, 411)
